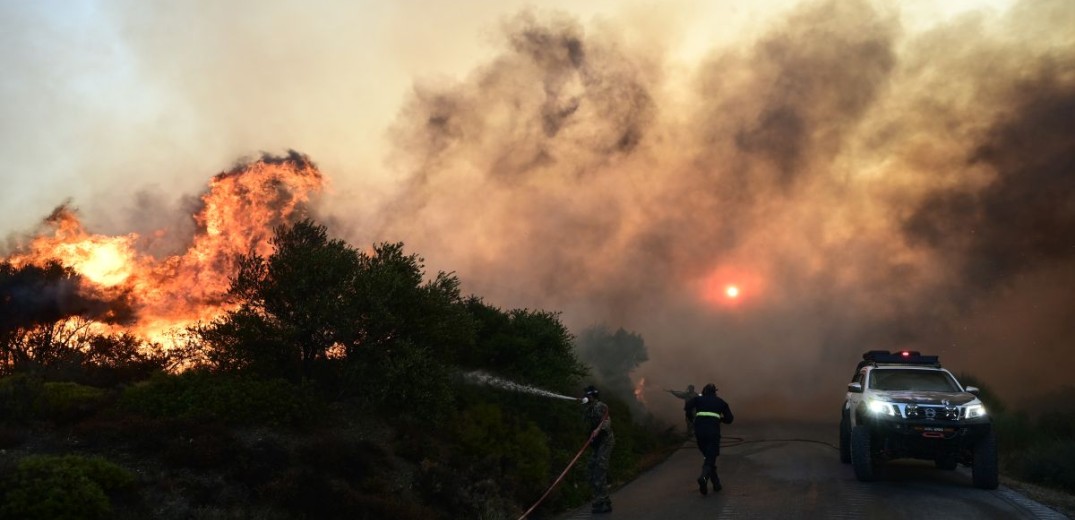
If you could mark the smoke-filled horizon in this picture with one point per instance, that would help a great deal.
(863, 182)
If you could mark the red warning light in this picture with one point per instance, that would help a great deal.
(905, 354)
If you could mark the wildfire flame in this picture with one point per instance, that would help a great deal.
(640, 389)
(238, 212)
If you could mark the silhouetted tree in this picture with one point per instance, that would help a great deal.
(294, 306)
(317, 302)
(529, 346)
(613, 356)
(45, 316)
(405, 334)
(392, 303)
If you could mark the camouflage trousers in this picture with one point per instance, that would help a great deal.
(601, 452)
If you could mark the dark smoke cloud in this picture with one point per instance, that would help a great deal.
(868, 184)
(869, 187)
(1025, 217)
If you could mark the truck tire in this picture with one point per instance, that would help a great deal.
(984, 470)
(845, 439)
(862, 454)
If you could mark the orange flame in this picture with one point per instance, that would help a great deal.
(640, 390)
(239, 211)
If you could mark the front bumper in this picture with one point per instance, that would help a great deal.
(926, 439)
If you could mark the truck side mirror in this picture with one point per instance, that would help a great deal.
(854, 388)
(972, 390)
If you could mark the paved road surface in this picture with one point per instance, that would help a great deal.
(771, 476)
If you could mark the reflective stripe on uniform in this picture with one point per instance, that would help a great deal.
(707, 414)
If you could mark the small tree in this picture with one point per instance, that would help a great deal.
(294, 305)
(392, 303)
(315, 298)
(531, 346)
(45, 315)
(613, 356)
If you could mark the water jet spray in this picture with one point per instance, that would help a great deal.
(482, 378)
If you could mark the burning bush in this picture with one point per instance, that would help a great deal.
(613, 356)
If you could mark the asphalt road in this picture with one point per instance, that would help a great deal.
(774, 471)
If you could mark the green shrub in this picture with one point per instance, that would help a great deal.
(513, 446)
(11, 436)
(393, 380)
(234, 400)
(63, 487)
(304, 493)
(67, 401)
(1048, 463)
(1015, 432)
(1057, 425)
(18, 393)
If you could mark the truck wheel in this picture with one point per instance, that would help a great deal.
(862, 454)
(845, 440)
(984, 469)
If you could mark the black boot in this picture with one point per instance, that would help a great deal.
(602, 506)
(701, 486)
(716, 483)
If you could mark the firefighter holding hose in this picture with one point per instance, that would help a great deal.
(601, 443)
(707, 412)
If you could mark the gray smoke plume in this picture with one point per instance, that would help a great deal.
(868, 188)
(868, 180)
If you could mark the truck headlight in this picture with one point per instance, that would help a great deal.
(881, 408)
(975, 410)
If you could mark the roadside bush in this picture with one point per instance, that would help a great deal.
(65, 402)
(304, 493)
(11, 436)
(233, 400)
(1057, 425)
(1037, 449)
(63, 487)
(1043, 450)
(516, 446)
(1049, 463)
(18, 393)
(392, 381)
(1015, 431)
(206, 445)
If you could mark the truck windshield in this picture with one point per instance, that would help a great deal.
(919, 380)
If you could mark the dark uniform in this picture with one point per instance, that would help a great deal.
(601, 444)
(708, 411)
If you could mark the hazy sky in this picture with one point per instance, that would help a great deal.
(871, 174)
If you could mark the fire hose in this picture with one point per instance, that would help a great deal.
(568, 468)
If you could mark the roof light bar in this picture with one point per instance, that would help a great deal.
(908, 357)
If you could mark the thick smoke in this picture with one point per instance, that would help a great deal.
(867, 180)
(867, 187)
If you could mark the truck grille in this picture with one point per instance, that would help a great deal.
(931, 412)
